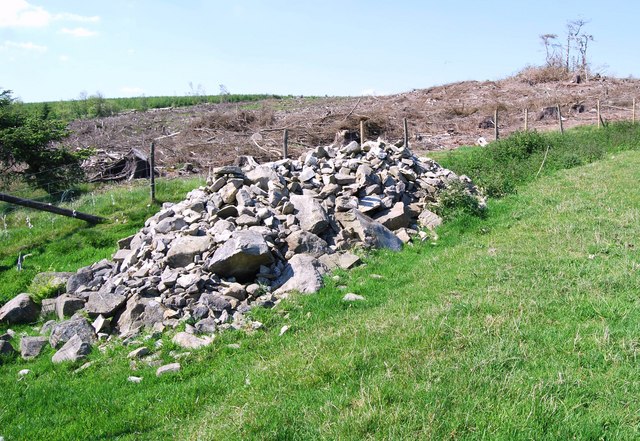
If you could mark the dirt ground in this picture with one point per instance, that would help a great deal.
(441, 117)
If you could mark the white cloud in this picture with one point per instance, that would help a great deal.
(23, 46)
(132, 91)
(19, 13)
(79, 32)
(64, 58)
(22, 14)
(66, 16)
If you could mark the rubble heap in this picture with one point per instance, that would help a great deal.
(253, 234)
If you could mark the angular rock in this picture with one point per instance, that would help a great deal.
(20, 309)
(67, 305)
(306, 242)
(396, 218)
(82, 277)
(184, 249)
(190, 341)
(241, 256)
(312, 216)
(104, 303)
(429, 219)
(31, 347)
(47, 307)
(342, 260)
(206, 326)
(73, 350)
(77, 326)
(368, 231)
(262, 175)
(303, 273)
(139, 313)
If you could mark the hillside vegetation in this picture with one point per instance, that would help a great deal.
(520, 325)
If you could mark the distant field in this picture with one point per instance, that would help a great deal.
(97, 106)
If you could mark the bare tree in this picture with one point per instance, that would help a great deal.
(547, 41)
(583, 43)
(573, 30)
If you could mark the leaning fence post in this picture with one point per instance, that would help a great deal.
(361, 132)
(285, 144)
(560, 118)
(406, 133)
(495, 124)
(526, 120)
(152, 175)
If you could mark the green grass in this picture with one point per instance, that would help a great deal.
(523, 325)
(56, 243)
(502, 166)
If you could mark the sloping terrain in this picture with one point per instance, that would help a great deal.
(520, 326)
(440, 117)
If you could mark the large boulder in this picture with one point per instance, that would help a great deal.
(368, 231)
(73, 350)
(20, 309)
(241, 256)
(184, 249)
(303, 273)
(310, 213)
(76, 326)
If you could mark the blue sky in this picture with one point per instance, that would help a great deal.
(57, 49)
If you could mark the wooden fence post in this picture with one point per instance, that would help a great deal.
(560, 118)
(361, 132)
(406, 133)
(285, 144)
(633, 113)
(526, 120)
(495, 124)
(598, 110)
(152, 174)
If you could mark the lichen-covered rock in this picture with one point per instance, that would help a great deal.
(303, 273)
(76, 326)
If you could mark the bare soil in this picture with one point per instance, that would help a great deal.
(441, 117)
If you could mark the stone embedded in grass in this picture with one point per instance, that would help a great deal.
(139, 353)
(190, 341)
(6, 348)
(168, 369)
(133, 379)
(352, 297)
(30, 347)
(303, 274)
(20, 309)
(24, 372)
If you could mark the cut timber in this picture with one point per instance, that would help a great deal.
(51, 208)
(134, 164)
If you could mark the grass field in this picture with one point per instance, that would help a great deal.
(522, 325)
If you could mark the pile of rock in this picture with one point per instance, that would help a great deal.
(251, 236)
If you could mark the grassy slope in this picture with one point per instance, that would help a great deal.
(524, 325)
